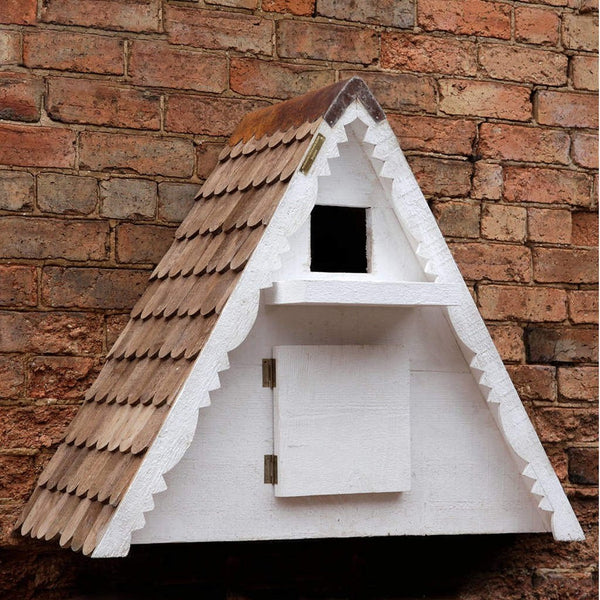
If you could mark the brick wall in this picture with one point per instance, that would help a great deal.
(111, 114)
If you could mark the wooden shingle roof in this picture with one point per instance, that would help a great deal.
(123, 411)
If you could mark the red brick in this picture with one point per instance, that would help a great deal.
(28, 237)
(18, 285)
(588, 6)
(393, 13)
(583, 466)
(466, 17)
(175, 200)
(571, 265)
(534, 382)
(51, 332)
(585, 229)
(133, 15)
(506, 303)
(441, 177)
(20, 97)
(565, 585)
(327, 42)
(102, 103)
(12, 376)
(234, 3)
(580, 32)
(562, 345)
(516, 142)
(60, 377)
(485, 99)
(128, 198)
(18, 12)
(67, 194)
(566, 424)
(18, 474)
(16, 191)
(67, 51)
(137, 243)
(558, 459)
(159, 64)
(457, 219)
(583, 306)
(114, 326)
(293, 7)
(207, 116)
(74, 287)
(549, 225)
(566, 109)
(428, 54)
(584, 72)
(508, 340)
(434, 134)
(139, 153)
(207, 155)
(536, 26)
(584, 149)
(254, 77)
(36, 146)
(528, 65)
(494, 262)
(10, 47)
(546, 186)
(487, 181)
(578, 383)
(504, 223)
(219, 30)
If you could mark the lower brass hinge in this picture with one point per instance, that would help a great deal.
(270, 468)
(268, 372)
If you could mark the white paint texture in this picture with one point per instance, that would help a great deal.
(477, 464)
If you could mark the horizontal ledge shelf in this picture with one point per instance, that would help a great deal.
(364, 293)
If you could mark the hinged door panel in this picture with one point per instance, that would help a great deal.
(341, 420)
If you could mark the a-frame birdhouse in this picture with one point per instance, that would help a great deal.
(306, 362)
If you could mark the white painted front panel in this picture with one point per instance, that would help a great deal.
(341, 420)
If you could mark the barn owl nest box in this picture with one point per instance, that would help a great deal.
(306, 362)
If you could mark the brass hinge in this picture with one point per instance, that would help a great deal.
(268, 372)
(312, 154)
(270, 468)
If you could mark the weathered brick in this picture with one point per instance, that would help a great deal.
(128, 198)
(159, 64)
(517, 142)
(75, 287)
(139, 153)
(549, 225)
(60, 377)
(12, 376)
(580, 32)
(207, 116)
(327, 42)
(586, 6)
(546, 186)
(505, 223)
(494, 262)
(218, 30)
(564, 345)
(485, 99)
(36, 146)
(67, 51)
(20, 97)
(434, 134)
(584, 149)
(567, 585)
(441, 177)
(578, 383)
(585, 229)
(18, 474)
(133, 15)
(583, 306)
(536, 26)
(467, 17)
(18, 285)
(137, 243)
(534, 382)
(508, 340)
(207, 155)
(18, 12)
(428, 54)
(457, 219)
(536, 304)
(51, 332)
(255, 77)
(571, 265)
(583, 465)
(114, 326)
(102, 103)
(528, 65)
(16, 191)
(566, 424)
(487, 181)
(10, 47)
(558, 459)
(66, 194)
(175, 200)
(566, 109)
(393, 13)
(584, 72)
(251, 4)
(294, 7)
(28, 237)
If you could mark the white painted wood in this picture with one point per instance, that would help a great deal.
(341, 420)
(363, 292)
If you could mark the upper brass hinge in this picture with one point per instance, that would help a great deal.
(271, 468)
(268, 372)
(307, 163)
